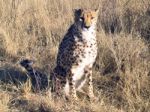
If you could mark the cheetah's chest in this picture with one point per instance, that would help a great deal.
(86, 49)
(85, 53)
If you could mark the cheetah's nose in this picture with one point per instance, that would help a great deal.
(87, 27)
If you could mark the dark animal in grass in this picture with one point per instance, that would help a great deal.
(39, 80)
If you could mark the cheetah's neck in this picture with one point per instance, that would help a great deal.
(89, 34)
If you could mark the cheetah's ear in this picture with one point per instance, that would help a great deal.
(97, 11)
(78, 12)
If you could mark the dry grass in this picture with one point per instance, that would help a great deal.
(34, 28)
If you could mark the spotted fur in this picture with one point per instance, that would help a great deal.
(76, 55)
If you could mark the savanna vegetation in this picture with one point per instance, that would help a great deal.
(33, 29)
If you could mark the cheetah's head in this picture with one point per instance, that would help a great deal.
(86, 18)
(26, 63)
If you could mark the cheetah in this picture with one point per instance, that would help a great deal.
(76, 54)
(39, 80)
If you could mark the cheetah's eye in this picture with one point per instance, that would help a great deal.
(92, 17)
(81, 19)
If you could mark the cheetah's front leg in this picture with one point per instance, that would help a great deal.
(90, 83)
(88, 73)
(72, 88)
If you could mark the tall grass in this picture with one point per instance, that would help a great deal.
(34, 28)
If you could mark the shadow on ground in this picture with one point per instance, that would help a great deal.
(15, 75)
(10, 74)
